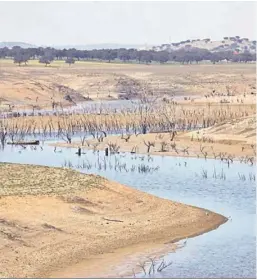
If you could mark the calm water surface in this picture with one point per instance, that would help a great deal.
(228, 252)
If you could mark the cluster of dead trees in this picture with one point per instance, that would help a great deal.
(147, 116)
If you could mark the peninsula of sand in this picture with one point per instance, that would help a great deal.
(230, 140)
(54, 218)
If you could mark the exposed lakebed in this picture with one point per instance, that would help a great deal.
(228, 252)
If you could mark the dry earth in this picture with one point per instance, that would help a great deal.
(54, 218)
(36, 85)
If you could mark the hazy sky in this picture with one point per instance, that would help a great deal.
(57, 23)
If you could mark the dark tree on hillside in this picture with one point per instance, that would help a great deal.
(109, 55)
(161, 57)
(18, 59)
(133, 54)
(60, 54)
(214, 57)
(247, 56)
(139, 56)
(20, 55)
(34, 52)
(48, 57)
(4, 52)
(46, 60)
(70, 60)
(181, 55)
(71, 52)
(15, 50)
(78, 54)
(123, 55)
(147, 57)
(85, 54)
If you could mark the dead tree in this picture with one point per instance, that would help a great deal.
(113, 148)
(149, 145)
(172, 135)
(223, 156)
(164, 146)
(126, 138)
(83, 140)
(100, 138)
(145, 107)
(174, 147)
(185, 150)
(203, 152)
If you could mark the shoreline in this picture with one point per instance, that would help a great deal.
(185, 148)
(68, 217)
(163, 154)
(115, 264)
(229, 141)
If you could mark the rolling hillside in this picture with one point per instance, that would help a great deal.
(227, 44)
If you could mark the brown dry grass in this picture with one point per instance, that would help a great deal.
(43, 180)
(84, 216)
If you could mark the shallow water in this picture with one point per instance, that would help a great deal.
(95, 106)
(91, 106)
(227, 252)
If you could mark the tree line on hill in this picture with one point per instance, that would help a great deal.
(184, 55)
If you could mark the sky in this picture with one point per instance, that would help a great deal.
(124, 22)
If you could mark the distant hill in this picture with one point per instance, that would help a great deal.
(99, 46)
(78, 47)
(227, 44)
(20, 44)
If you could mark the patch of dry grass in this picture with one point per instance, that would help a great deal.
(20, 179)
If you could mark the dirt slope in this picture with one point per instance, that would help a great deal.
(52, 218)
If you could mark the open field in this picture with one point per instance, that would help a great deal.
(39, 86)
(55, 218)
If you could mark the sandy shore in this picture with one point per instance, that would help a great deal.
(55, 218)
(233, 139)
